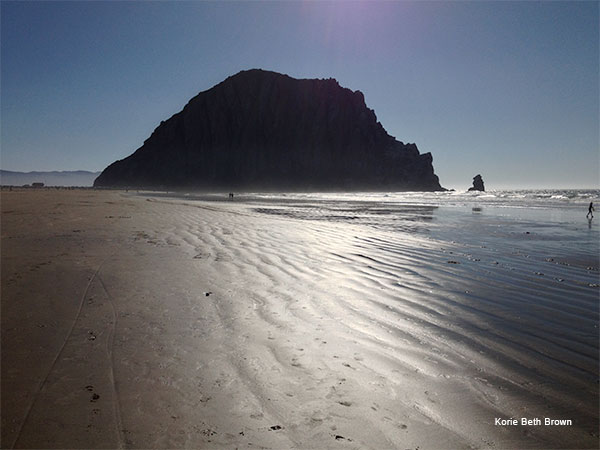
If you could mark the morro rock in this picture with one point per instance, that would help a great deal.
(261, 130)
(477, 184)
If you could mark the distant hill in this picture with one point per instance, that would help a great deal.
(261, 130)
(66, 178)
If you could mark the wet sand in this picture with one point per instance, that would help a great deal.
(149, 322)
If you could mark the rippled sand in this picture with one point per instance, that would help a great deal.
(153, 322)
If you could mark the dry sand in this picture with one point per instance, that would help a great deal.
(132, 322)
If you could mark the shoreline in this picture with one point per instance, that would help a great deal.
(154, 323)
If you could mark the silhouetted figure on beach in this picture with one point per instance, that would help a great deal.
(231, 196)
(590, 210)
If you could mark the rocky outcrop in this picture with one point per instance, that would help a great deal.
(262, 130)
(477, 184)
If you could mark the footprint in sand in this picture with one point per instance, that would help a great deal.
(318, 417)
(339, 437)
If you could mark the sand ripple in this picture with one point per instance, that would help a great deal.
(330, 323)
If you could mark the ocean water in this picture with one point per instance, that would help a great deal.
(544, 223)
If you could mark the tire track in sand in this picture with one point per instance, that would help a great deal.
(76, 382)
(58, 355)
(110, 353)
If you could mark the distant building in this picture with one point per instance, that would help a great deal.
(37, 185)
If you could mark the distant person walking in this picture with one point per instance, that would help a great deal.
(590, 210)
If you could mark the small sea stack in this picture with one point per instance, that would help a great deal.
(477, 184)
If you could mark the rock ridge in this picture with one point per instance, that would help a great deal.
(261, 130)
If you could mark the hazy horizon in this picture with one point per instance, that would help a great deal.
(250, 190)
(508, 90)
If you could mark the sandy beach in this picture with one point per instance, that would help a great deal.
(149, 321)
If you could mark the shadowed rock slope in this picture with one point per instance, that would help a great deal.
(262, 130)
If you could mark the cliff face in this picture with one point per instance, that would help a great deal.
(263, 130)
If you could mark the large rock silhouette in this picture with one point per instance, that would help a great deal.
(261, 130)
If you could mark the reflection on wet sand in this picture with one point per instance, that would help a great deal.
(159, 322)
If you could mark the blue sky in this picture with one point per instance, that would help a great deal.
(505, 89)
